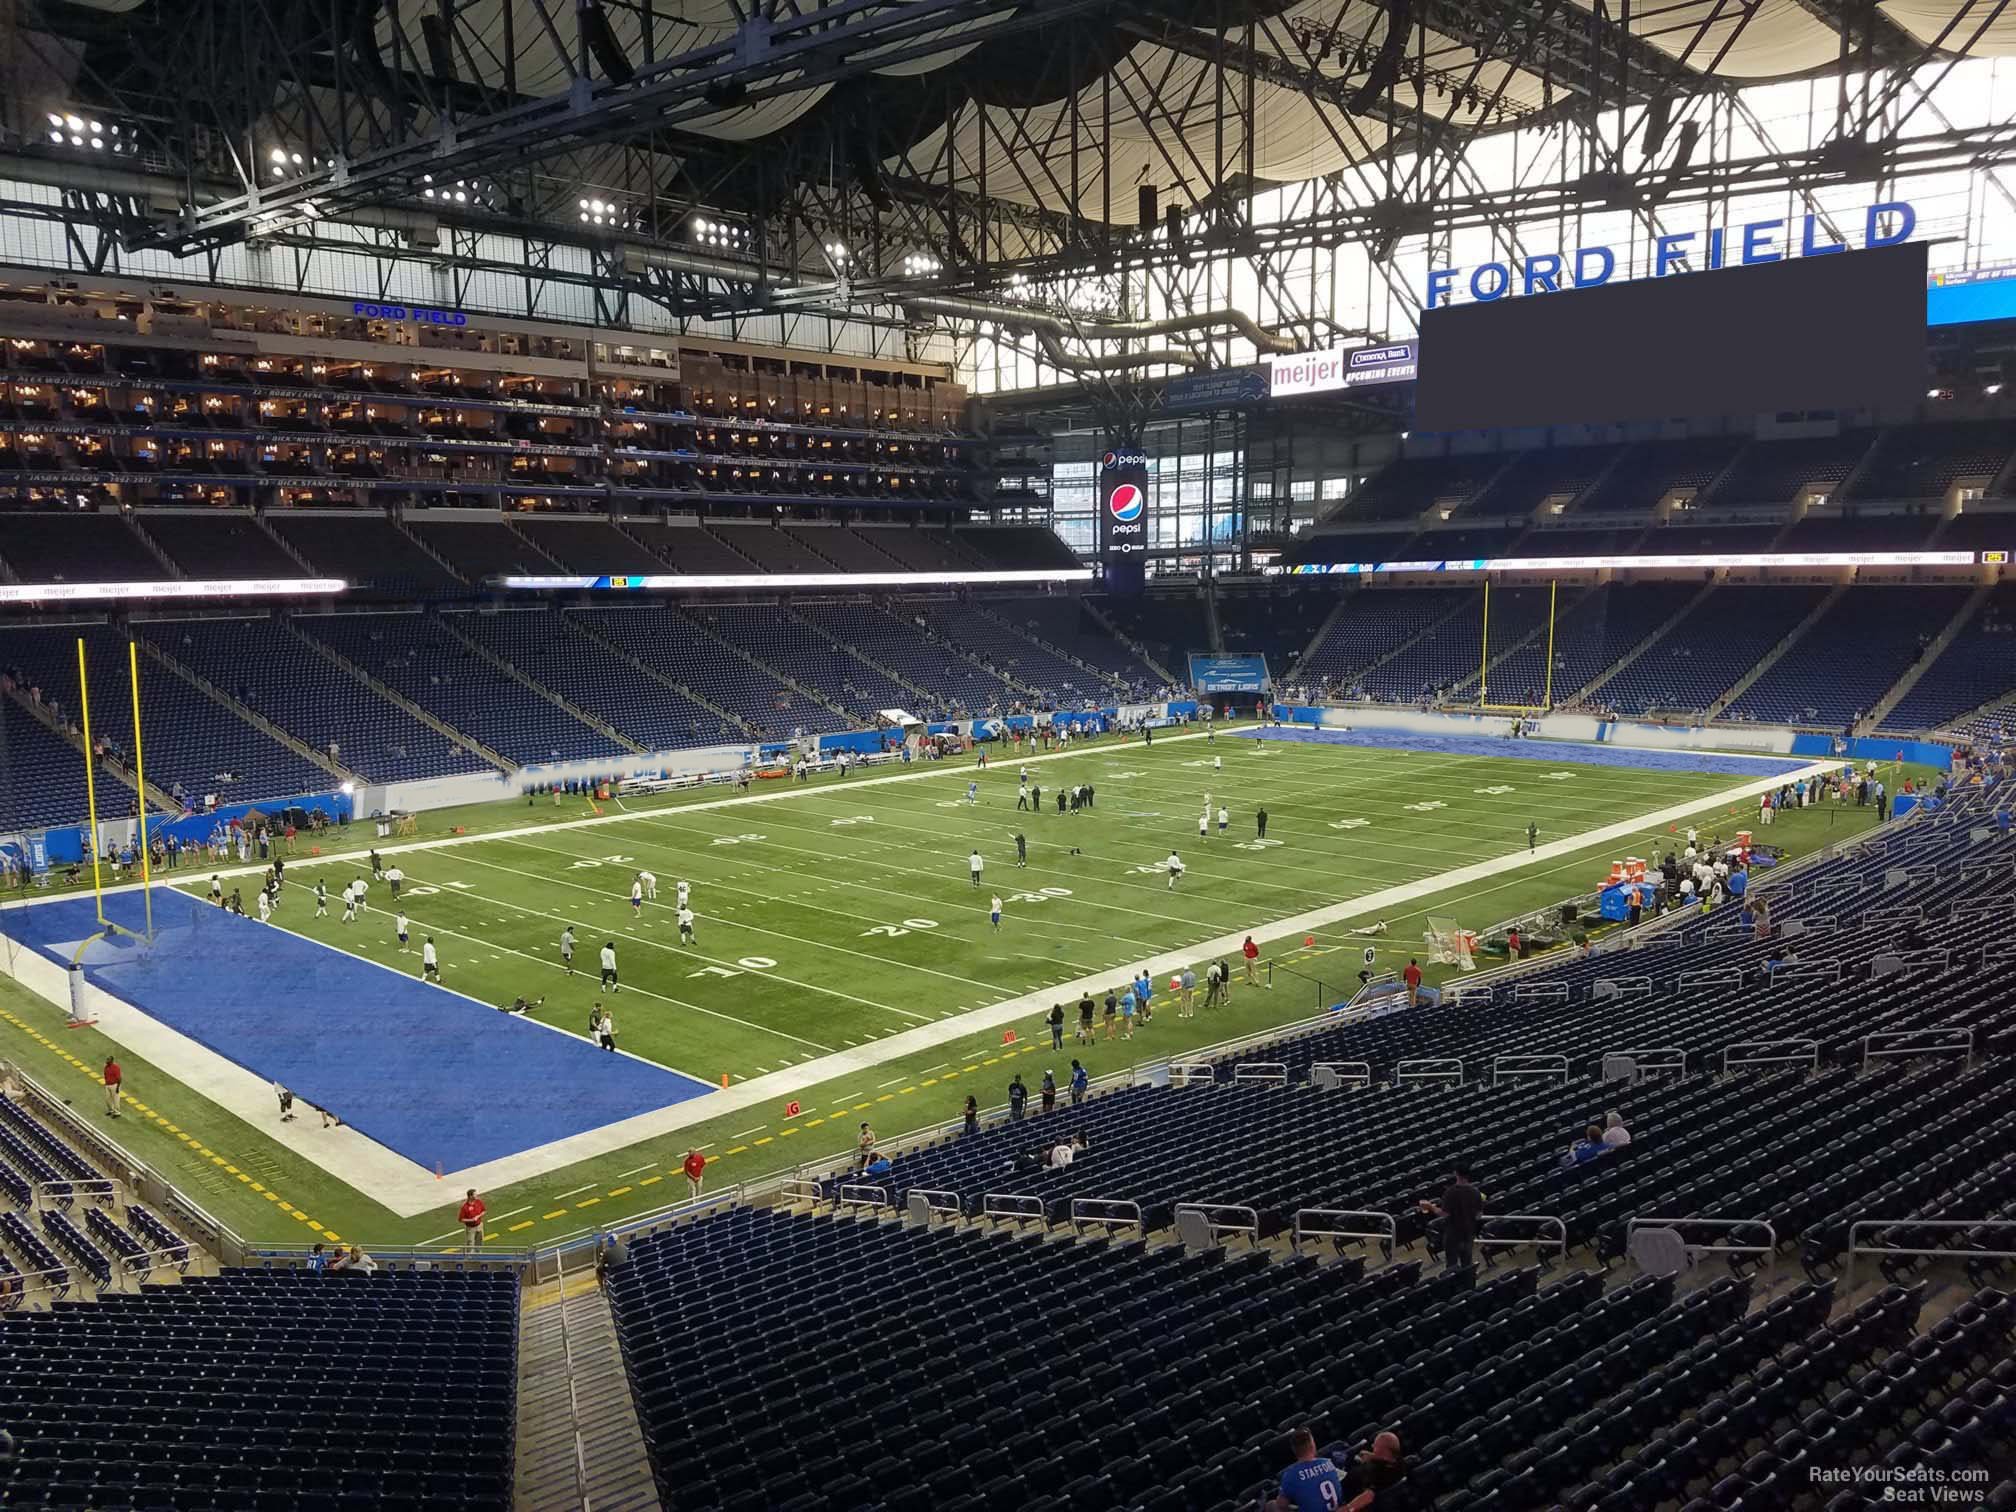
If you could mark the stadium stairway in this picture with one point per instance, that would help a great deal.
(1518, 644)
(1041, 644)
(1770, 658)
(160, 797)
(1962, 618)
(337, 659)
(578, 1443)
(484, 653)
(250, 715)
(422, 544)
(1148, 660)
(683, 689)
(1659, 633)
(167, 562)
(756, 663)
(858, 654)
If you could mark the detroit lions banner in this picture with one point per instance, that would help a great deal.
(1123, 519)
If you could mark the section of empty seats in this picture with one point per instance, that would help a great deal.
(691, 549)
(216, 543)
(1372, 623)
(1933, 462)
(777, 638)
(1979, 529)
(1015, 547)
(1544, 481)
(1590, 634)
(415, 657)
(1705, 655)
(588, 543)
(918, 549)
(770, 548)
(1010, 654)
(1447, 657)
(193, 743)
(1277, 624)
(405, 1402)
(1655, 472)
(1062, 621)
(1778, 472)
(668, 642)
(1584, 541)
(477, 548)
(1858, 532)
(552, 651)
(1848, 658)
(1331, 546)
(1411, 486)
(842, 550)
(1978, 665)
(898, 641)
(1169, 625)
(42, 774)
(366, 548)
(76, 547)
(267, 668)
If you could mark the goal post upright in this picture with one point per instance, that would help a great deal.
(140, 788)
(1484, 649)
(1547, 693)
(90, 781)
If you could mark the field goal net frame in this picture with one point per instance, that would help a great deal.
(1449, 943)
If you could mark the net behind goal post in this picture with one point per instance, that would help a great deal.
(1449, 944)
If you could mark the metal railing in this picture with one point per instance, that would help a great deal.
(1387, 1236)
(1115, 1212)
(798, 1189)
(143, 1265)
(1650, 1062)
(1464, 993)
(1013, 1205)
(1946, 1252)
(573, 1384)
(1711, 976)
(1805, 971)
(1540, 992)
(1223, 1218)
(1261, 1073)
(1768, 1249)
(1621, 987)
(924, 1202)
(1954, 1039)
(15, 1290)
(1976, 908)
(1518, 1067)
(1907, 913)
(1560, 1242)
(1444, 1068)
(1804, 1052)
(862, 1195)
(61, 1194)
(1183, 1073)
(1356, 1075)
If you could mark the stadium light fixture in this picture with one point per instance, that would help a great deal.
(921, 265)
(91, 133)
(1992, 389)
(711, 231)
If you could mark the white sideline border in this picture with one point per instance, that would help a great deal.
(408, 1189)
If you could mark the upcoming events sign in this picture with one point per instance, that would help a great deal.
(1326, 372)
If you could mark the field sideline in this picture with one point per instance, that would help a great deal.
(837, 916)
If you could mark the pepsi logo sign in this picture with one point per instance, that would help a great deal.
(1126, 502)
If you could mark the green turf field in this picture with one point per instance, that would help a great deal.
(843, 913)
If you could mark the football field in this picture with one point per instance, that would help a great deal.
(844, 960)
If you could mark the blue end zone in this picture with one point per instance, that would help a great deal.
(428, 1073)
(1555, 753)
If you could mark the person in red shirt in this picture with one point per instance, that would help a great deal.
(114, 1080)
(471, 1215)
(1252, 954)
(1412, 977)
(695, 1164)
(1512, 944)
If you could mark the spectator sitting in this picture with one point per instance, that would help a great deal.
(1312, 1483)
(1061, 1155)
(1585, 1149)
(1615, 1135)
(1380, 1467)
(877, 1167)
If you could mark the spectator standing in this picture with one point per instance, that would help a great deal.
(972, 1114)
(1085, 1011)
(1128, 1003)
(695, 1166)
(1260, 822)
(1187, 988)
(115, 1089)
(605, 1032)
(1056, 1022)
(471, 1215)
(864, 1147)
(1080, 1081)
(1112, 1012)
(1018, 1098)
(1461, 1206)
(1412, 977)
(1252, 954)
(1049, 1090)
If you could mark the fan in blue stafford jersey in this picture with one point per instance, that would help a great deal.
(1312, 1483)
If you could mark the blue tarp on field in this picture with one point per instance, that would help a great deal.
(1554, 752)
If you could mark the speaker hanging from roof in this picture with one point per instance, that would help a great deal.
(861, 152)
(1683, 153)
(1385, 70)
(1145, 213)
(601, 40)
(1658, 120)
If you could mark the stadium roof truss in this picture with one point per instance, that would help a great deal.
(970, 164)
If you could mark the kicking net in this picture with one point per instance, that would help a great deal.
(1449, 944)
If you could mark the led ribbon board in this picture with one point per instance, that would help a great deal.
(200, 588)
(659, 583)
(1769, 560)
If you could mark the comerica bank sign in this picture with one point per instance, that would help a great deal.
(1761, 241)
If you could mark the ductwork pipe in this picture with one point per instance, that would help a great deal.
(1049, 329)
